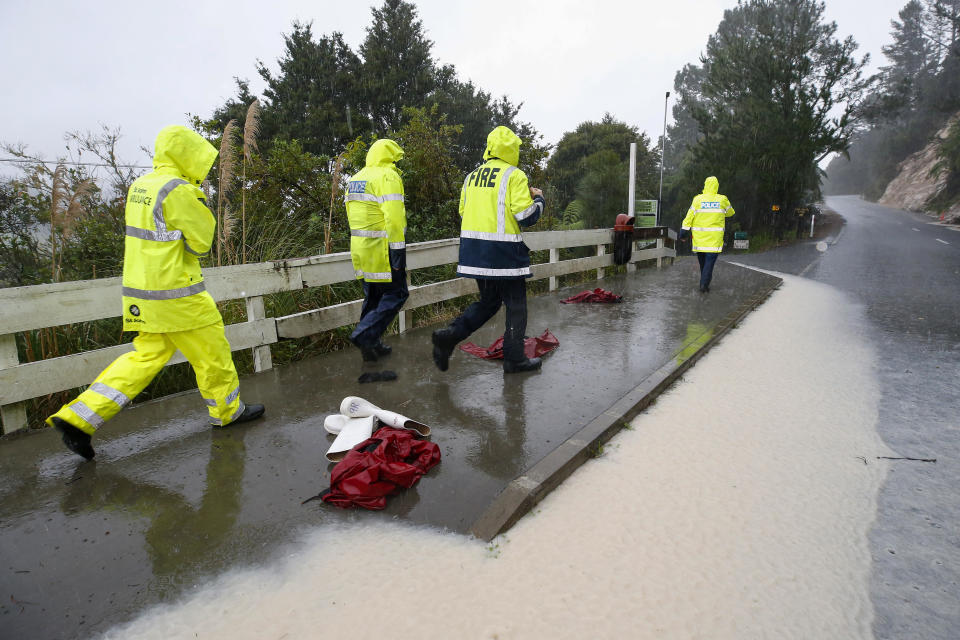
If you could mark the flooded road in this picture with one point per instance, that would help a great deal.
(905, 271)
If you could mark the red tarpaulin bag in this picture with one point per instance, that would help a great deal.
(532, 347)
(597, 295)
(378, 467)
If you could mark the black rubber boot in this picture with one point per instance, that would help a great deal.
(76, 440)
(382, 349)
(443, 344)
(250, 412)
(368, 353)
(531, 364)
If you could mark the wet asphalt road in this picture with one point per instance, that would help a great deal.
(905, 271)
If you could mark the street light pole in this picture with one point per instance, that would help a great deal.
(663, 141)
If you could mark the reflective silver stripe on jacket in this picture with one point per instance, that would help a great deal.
(489, 235)
(529, 211)
(158, 220)
(161, 234)
(480, 271)
(398, 245)
(373, 276)
(707, 249)
(233, 395)
(149, 234)
(502, 200)
(190, 249)
(707, 228)
(366, 233)
(369, 197)
(164, 294)
(118, 397)
(209, 402)
(364, 197)
(87, 414)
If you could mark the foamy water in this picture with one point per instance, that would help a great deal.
(736, 507)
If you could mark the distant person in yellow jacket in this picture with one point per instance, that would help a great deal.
(705, 219)
(378, 222)
(165, 300)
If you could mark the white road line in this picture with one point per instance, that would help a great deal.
(915, 229)
(943, 241)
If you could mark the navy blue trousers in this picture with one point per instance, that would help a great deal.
(706, 260)
(382, 302)
(493, 293)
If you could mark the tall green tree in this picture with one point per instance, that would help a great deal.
(911, 55)
(684, 131)
(780, 92)
(317, 97)
(590, 166)
(398, 69)
(918, 91)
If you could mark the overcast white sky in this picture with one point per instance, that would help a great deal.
(70, 66)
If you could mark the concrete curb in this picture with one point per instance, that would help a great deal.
(524, 492)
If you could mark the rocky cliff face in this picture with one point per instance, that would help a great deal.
(914, 185)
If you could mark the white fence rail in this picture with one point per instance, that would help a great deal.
(51, 305)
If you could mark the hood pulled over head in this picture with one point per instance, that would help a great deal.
(383, 153)
(186, 151)
(710, 186)
(504, 144)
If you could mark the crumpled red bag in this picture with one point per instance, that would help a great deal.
(532, 347)
(597, 295)
(390, 460)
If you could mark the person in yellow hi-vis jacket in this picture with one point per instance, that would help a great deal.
(495, 202)
(168, 227)
(378, 222)
(705, 219)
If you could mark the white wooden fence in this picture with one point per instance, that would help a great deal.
(51, 305)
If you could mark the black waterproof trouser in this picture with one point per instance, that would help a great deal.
(493, 293)
(707, 261)
(382, 302)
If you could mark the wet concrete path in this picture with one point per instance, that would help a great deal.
(169, 502)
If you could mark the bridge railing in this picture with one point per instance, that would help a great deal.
(63, 303)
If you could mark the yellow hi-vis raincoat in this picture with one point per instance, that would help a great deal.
(164, 297)
(376, 213)
(168, 228)
(706, 216)
(494, 203)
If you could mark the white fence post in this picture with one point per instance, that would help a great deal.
(405, 320)
(14, 416)
(262, 357)
(554, 257)
(659, 251)
(601, 250)
(632, 266)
